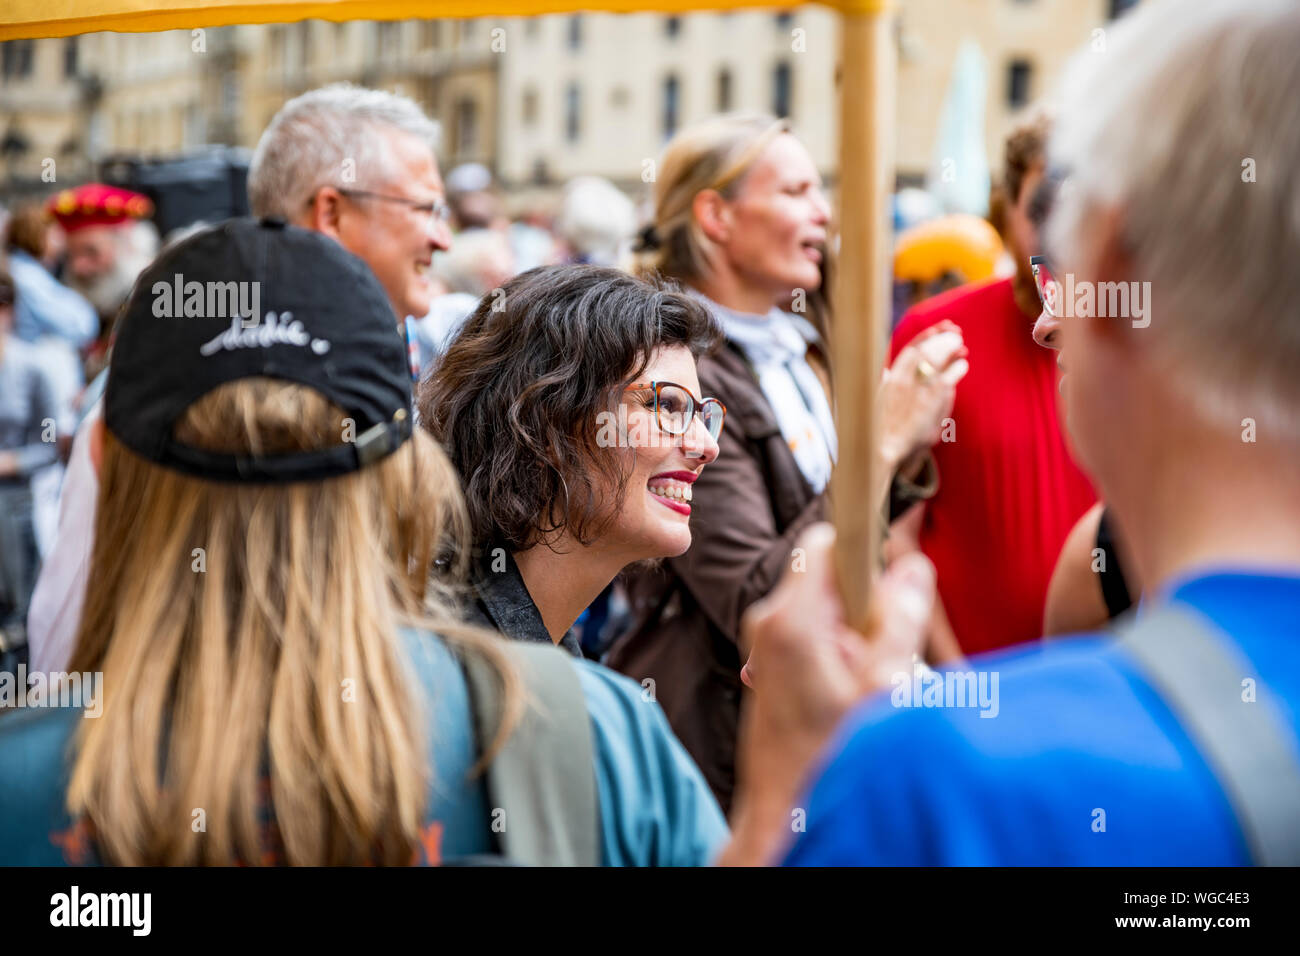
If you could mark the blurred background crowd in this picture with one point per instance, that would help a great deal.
(531, 226)
(550, 131)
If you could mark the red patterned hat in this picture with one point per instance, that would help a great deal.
(95, 204)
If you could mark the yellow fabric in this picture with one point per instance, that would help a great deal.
(957, 243)
(57, 18)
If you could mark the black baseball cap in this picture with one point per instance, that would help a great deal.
(248, 298)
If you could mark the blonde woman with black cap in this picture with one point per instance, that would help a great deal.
(269, 647)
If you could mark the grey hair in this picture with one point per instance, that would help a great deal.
(323, 137)
(596, 218)
(462, 266)
(1185, 125)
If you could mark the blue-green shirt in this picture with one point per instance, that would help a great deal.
(655, 808)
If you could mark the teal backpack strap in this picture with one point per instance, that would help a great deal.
(1246, 743)
(543, 778)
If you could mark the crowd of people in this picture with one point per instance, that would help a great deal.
(321, 553)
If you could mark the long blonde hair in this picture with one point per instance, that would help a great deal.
(714, 153)
(249, 632)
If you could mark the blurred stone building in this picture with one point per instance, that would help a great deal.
(49, 110)
(538, 100)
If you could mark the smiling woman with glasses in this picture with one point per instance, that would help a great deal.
(740, 220)
(570, 406)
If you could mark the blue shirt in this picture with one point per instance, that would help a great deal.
(29, 406)
(655, 808)
(1084, 763)
(46, 306)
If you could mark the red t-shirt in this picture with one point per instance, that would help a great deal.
(1009, 492)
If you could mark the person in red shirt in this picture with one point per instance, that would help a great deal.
(1009, 491)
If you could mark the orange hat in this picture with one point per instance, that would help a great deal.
(957, 243)
(95, 204)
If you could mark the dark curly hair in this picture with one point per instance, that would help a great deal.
(516, 397)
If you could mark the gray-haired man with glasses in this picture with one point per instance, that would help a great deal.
(358, 165)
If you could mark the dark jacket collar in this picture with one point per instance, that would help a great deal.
(502, 602)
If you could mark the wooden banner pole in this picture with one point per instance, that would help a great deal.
(862, 291)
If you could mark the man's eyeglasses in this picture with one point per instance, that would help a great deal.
(675, 408)
(437, 210)
(1045, 282)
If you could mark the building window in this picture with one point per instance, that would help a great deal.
(466, 127)
(784, 20)
(575, 31)
(14, 143)
(531, 26)
(672, 105)
(192, 131)
(724, 90)
(530, 107)
(572, 113)
(16, 59)
(673, 27)
(387, 39)
(230, 94)
(1019, 75)
(70, 57)
(781, 89)
(275, 47)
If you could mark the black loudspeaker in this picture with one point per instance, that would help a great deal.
(205, 186)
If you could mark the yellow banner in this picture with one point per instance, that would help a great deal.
(58, 18)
